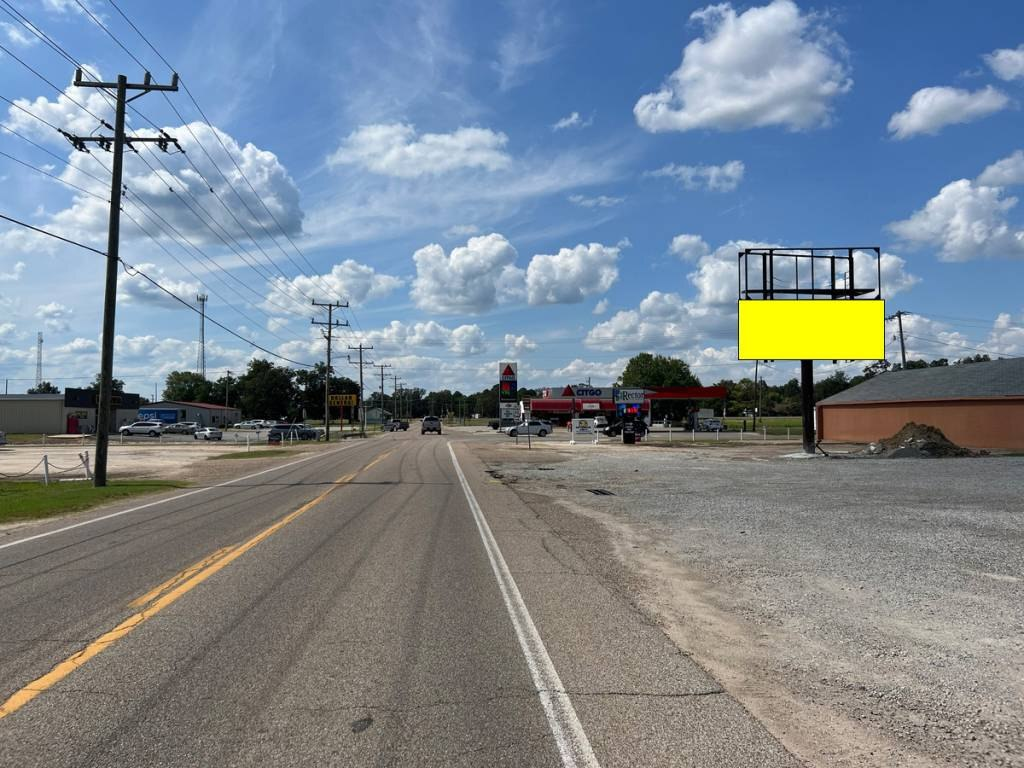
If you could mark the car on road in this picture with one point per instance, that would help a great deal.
(208, 433)
(151, 428)
(250, 424)
(285, 431)
(182, 428)
(430, 424)
(396, 424)
(538, 427)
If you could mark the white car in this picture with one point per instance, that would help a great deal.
(251, 424)
(151, 428)
(208, 433)
(538, 427)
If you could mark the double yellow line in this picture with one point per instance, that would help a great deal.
(163, 595)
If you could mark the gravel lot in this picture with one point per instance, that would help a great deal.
(870, 612)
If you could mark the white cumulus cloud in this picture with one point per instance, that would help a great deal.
(55, 316)
(516, 346)
(407, 338)
(473, 278)
(932, 109)
(716, 178)
(572, 120)
(347, 281)
(15, 273)
(1007, 172)
(135, 289)
(965, 220)
(395, 149)
(1007, 63)
(572, 274)
(769, 65)
(688, 247)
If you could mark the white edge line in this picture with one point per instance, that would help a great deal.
(172, 498)
(570, 738)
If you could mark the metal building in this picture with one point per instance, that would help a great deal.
(979, 405)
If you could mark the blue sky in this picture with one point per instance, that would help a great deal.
(562, 184)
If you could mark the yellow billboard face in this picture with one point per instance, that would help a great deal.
(811, 330)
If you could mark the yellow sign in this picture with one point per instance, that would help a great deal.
(349, 400)
(812, 330)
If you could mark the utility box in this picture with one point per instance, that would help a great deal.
(628, 432)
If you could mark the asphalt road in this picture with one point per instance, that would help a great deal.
(375, 604)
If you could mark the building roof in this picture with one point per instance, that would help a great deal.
(998, 378)
(208, 406)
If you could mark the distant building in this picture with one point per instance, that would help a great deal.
(979, 405)
(74, 412)
(377, 415)
(172, 411)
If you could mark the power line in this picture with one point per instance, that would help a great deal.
(51, 234)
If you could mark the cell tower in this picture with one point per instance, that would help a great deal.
(39, 358)
(201, 360)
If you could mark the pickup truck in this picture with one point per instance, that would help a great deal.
(396, 424)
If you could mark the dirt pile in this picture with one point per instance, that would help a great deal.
(917, 441)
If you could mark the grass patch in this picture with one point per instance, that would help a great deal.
(260, 454)
(26, 500)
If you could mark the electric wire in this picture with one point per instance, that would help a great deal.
(133, 271)
(54, 177)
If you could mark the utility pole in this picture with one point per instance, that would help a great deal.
(394, 396)
(115, 143)
(807, 403)
(227, 383)
(201, 357)
(903, 347)
(39, 358)
(331, 325)
(362, 402)
(382, 366)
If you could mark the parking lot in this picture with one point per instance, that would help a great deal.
(871, 612)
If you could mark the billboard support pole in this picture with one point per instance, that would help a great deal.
(807, 403)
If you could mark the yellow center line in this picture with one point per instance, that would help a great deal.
(164, 595)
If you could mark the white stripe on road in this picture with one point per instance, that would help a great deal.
(573, 744)
(173, 498)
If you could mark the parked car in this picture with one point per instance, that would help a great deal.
(494, 424)
(151, 428)
(396, 424)
(250, 424)
(538, 427)
(712, 425)
(614, 430)
(182, 428)
(208, 433)
(430, 424)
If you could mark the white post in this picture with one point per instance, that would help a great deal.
(718, 435)
(670, 433)
(693, 435)
(84, 457)
(248, 447)
(741, 434)
(44, 438)
(46, 470)
(765, 433)
(122, 438)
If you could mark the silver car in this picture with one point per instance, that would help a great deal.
(151, 428)
(208, 433)
(538, 427)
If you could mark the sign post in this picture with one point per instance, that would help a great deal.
(508, 387)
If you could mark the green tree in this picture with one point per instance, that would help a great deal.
(266, 391)
(118, 385)
(831, 385)
(975, 359)
(44, 388)
(647, 370)
(188, 387)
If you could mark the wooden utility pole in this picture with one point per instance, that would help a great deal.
(115, 144)
(331, 325)
(382, 366)
(362, 401)
(903, 347)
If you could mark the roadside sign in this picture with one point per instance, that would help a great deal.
(583, 426)
(584, 390)
(508, 384)
(340, 400)
(508, 412)
(630, 395)
(590, 407)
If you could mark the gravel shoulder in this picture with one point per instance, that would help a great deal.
(869, 613)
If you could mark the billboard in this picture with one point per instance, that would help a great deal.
(508, 384)
(811, 330)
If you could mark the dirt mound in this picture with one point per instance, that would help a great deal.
(917, 441)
